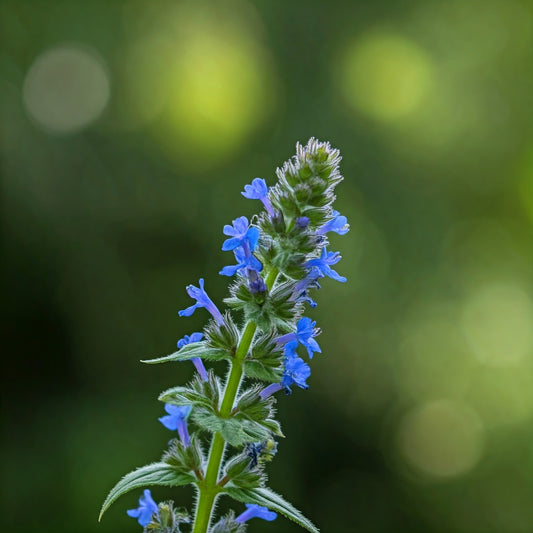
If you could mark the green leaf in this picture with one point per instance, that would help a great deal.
(233, 431)
(152, 474)
(189, 351)
(198, 393)
(268, 498)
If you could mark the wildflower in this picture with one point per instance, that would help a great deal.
(198, 363)
(241, 233)
(305, 331)
(256, 511)
(177, 420)
(338, 224)
(322, 265)
(258, 190)
(245, 262)
(202, 300)
(147, 507)
(295, 372)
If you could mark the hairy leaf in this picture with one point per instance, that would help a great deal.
(152, 474)
(275, 502)
(189, 351)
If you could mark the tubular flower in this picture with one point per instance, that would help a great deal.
(256, 511)
(295, 372)
(202, 300)
(305, 331)
(198, 363)
(147, 507)
(338, 224)
(245, 262)
(321, 265)
(241, 234)
(177, 420)
(258, 190)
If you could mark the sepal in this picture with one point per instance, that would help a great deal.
(198, 393)
(227, 524)
(185, 459)
(167, 519)
(239, 472)
(265, 359)
(274, 309)
(268, 498)
(224, 337)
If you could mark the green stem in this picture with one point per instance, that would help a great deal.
(208, 487)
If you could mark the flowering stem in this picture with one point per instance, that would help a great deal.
(208, 487)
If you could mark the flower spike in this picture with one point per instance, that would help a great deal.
(280, 257)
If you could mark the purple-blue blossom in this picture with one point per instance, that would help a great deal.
(202, 300)
(295, 372)
(256, 511)
(258, 190)
(147, 507)
(338, 224)
(177, 420)
(305, 331)
(246, 261)
(242, 234)
(322, 265)
(198, 363)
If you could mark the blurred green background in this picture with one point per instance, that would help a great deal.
(128, 130)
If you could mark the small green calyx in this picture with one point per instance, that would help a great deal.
(167, 519)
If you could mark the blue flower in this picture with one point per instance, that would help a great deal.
(305, 331)
(338, 224)
(189, 339)
(321, 265)
(256, 511)
(177, 420)
(147, 507)
(242, 234)
(245, 261)
(202, 300)
(296, 372)
(258, 190)
(198, 363)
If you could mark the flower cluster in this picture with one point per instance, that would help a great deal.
(280, 257)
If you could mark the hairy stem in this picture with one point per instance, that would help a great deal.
(208, 487)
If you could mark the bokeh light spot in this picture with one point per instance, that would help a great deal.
(66, 88)
(385, 76)
(201, 79)
(497, 322)
(441, 439)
